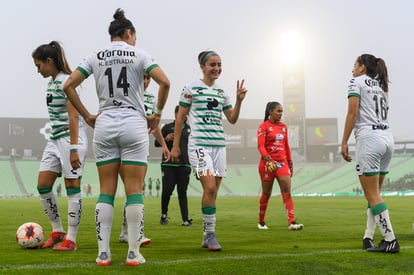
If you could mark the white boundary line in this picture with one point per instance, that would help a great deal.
(169, 262)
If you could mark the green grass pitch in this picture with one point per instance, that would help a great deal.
(330, 243)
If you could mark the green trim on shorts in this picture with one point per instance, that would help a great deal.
(370, 173)
(134, 199)
(99, 163)
(208, 210)
(72, 191)
(379, 208)
(105, 198)
(384, 172)
(139, 163)
(45, 189)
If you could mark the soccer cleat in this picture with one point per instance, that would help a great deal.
(387, 247)
(123, 238)
(295, 226)
(164, 219)
(54, 238)
(134, 259)
(210, 242)
(104, 259)
(145, 241)
(262, 225)
(367, 243)
(188, 222)
(66, 245)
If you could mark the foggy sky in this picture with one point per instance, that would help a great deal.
(246, 34)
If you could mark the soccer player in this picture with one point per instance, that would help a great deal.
(275, 162)
(175, 173)
(367, 116)
(204, 102)
(121, 129)
(65, 151)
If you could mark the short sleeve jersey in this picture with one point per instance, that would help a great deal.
(205, 116)
(56, 102)
(119, 75)
(149, 102)
(373, 105)
(272, 140)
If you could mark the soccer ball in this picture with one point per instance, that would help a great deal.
(30, 235)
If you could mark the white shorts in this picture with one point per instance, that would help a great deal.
(208, 161)
(121, 135)
(374, 153)
(56, 156)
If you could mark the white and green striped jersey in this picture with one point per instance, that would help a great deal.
(119, 75)
(149, 102)
(56, 101)
(373, 105)
(205, 115)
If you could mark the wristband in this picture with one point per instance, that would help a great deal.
(73, 148)
(157, 111)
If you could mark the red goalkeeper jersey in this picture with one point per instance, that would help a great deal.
(272, 140)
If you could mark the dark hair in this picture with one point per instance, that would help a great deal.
(203, 56)
(270, 107)
(176, 109)
(375, 68)
(120, 24)
(54, 51)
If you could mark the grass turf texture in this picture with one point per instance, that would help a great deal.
(330, 243)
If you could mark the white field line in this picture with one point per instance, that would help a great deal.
(170, 262)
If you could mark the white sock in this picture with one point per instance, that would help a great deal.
(74, 215)
(370, 229)
(384, 223)
(51, 209)
(124, 222)
(209, 222)
(135, 219)
(104, 214)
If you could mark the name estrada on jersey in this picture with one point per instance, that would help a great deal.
(373, 105)
(56, 101)
(118, 69)
(272, 140)
(205, 116)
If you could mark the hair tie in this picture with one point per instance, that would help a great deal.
(206, 56)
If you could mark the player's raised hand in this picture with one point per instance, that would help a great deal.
(241, 90)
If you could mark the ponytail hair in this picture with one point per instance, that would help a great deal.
(375, 68)
(54, 51)
(270, 106)
(120, 24)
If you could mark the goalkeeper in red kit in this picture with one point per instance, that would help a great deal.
(275, 162)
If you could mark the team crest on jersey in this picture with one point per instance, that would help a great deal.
(220, 92)
(279, 137)
(270, 129)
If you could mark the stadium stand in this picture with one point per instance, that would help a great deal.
(337, 178)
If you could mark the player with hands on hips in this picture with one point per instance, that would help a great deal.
(275, 162)
(121, 141)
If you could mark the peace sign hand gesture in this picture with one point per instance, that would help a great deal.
(241, 91)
